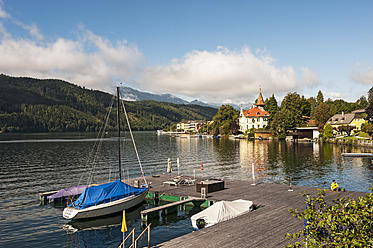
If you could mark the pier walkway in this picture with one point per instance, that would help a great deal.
(265, 227)
(145, 212)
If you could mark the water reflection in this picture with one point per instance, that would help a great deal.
(28, 168)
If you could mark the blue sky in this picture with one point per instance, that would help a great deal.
(215, 51)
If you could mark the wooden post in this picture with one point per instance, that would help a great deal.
(133, 240)
(203, 192)
(149, 236)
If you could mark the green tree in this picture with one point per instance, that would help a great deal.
(362, 102)
(305, 107)
(272, 108)
(345, 129)
(279, 125)
(52, 105)
(340, 106)
(369, 112)
(328, 131)
(368, 128)
(319, 98)
(251, 132)
(271, 105)
(322, 113)
(290, 114)
(224, 120)
(347, 223)
(313, 106)
(370, 95)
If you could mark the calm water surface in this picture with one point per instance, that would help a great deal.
(34, 163)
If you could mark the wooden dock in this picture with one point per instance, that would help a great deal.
(361, 155)
(265, 227)
(146, 212)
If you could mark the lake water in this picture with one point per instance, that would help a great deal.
(34, 163)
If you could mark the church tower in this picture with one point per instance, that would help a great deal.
(260, 103)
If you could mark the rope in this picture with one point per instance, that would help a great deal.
(100, 142)
(97, 146)
(133, 142)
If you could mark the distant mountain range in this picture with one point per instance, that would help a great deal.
(51, 105)
(130, 94)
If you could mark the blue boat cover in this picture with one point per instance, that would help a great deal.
(104, 193)
(63, 193)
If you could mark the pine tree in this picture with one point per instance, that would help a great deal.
(320, 98)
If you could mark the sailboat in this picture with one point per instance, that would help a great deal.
(108, 198)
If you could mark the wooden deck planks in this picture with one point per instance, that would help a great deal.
(265, 227)
(173, 204)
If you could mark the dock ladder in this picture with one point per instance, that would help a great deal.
(134, 241)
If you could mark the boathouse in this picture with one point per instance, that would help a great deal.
(305, 133)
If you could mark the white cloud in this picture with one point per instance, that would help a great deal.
(333, 95)
(362, 75)
(33, 30)
(3, 14)
(93, 61)
(308, 77)
(90, 60)
(225, 75)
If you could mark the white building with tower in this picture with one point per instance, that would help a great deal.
(255, 117)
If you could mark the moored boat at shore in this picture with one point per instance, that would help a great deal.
(105, 199)
(220, 211)
(108, 198)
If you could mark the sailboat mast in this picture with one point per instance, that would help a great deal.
(118, 117)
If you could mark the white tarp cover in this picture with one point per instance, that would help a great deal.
(221, 211)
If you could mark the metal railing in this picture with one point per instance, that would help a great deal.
(134, 241)
(133, 238)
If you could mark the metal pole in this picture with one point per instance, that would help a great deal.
(253, 171)
(118, 118)
(123, 240)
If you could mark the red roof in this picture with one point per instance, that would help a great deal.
(255, 112)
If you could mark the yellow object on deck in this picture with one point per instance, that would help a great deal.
(124, 225)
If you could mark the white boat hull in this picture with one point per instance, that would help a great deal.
(105, 208)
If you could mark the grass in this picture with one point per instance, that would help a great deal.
(364, 135)
(351, 138)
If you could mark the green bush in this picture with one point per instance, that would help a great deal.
(348, 223)
(328, 131)
(281, 136)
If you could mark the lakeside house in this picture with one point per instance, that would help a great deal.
(255, 117)
(353, 119)
(190, 126)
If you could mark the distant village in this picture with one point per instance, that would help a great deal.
(254, 123)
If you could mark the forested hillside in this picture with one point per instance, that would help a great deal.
(35, 105)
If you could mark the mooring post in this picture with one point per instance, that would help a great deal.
(290, 188)
(253, 172)
(203, 192)
(144, 217)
